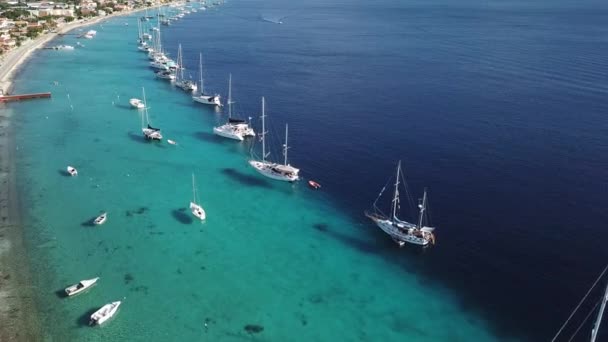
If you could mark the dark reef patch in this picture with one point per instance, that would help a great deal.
(253, 328)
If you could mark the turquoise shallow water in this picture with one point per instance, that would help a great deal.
(272, 254)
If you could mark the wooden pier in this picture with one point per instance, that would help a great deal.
(19, 97)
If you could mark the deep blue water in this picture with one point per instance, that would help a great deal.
(498, 107)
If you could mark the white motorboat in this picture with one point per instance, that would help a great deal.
(180, 81)
(106, 312)
(80, 286)
(137, 103)
(196, 208)
(72, 171)
(236, 129)
(101, 219)
(171, 142)
(150, 133)
(400, 231)
(165, 75)
(282, 172)
(201, 97)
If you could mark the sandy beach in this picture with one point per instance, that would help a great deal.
(18, 318)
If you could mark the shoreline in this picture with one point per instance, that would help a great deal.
(19, 320)
(11, 62)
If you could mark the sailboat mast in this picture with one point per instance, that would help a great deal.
(193, 190)
(145, 114)
(180, 61)
(422, 207)
(598, 321)
(200, 70)
(230, 96)
(285, 147)
(396, 195)
(263, 131)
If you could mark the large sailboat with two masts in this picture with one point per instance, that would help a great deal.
(282, 172)
(400, 231)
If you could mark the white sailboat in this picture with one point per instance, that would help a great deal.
(180, 81)
(80, 286)
(236, 129)
(196, 208)
(401, 231)
(105, 313)
(282, 172)
(149, 132)
(72, 171)
(136, 103)
(201, 97)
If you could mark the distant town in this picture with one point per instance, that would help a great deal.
(21, 21)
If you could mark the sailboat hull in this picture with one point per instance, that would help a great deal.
(207, 99)
(268, 169)
(198, 211)
(227, 132)
(402, 232)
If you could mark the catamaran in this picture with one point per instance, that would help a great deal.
(201, 97)
(282, 172)
(196, 208)
(235, 128)
(180, 81)
(403, 231)
(149, 132)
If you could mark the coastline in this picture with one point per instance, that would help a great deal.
(19, 320)
(12, 60)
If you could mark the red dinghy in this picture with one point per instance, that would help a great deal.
(314, 184)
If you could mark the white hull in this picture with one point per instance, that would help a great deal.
(269, 170)
(403, 233)
(198, 211)
(80, 287)
(106, 312)
(72, 171)
(187, 85)
(227, 132)
(137, 103)
(208, 99)
(151, 134)
(165, 76)
(101, 219)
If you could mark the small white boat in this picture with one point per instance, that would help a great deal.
(81, 286)
(106, 312)
(171, 142)
(195, 208)
(137, 103)
(101, 219)
(72, 171)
